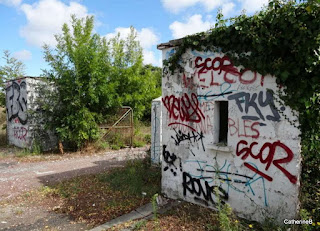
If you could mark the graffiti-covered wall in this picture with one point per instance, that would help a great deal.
(226, 131)
(23, 118)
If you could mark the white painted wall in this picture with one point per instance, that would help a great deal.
(21, 97)
(257, 186)
(156, 130)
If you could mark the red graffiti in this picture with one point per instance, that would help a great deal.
(187, 82)
(184, 109)
(271, 147)
(20, 133)
(185, 125)
(257, 171)
(246, 129)
(205, 126)
(225, 65)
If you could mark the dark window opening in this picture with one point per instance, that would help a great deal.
(223, 115)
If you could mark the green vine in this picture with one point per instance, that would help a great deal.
(282, 40)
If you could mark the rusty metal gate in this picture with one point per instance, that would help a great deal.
(121, 123)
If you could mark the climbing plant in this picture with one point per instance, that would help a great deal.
(282, 40)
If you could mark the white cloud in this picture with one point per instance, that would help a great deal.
(150, 58)
(45, 19)
(194, 25)
(227, 8)
(123, 31)
(212, 4)
(176, 6)
(22, 55)
(11, 2)
(147, 38)
(251, 6)
(160, 61)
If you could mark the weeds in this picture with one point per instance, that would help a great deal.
(48, 191)
(101, 145)
(98, 198)
(305, 215)
(224, 213)
(155, 211)
(147, 138)
(154, 206)
(24, 152)
(138, 143)
(139, 225)
(36, 148)
(135, 178)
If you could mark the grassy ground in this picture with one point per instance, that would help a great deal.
(99, 198)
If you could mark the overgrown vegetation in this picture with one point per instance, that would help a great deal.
(120, 138)
(92, 77)
(99, 198)
(282, 40)
(12, 69)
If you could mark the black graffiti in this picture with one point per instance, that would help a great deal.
(227, 176)
(215, 95)
(170, 159)
(254, 102)
(194, 186)
(193, 137)
(17, 102)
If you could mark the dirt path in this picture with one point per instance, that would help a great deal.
(18, 177)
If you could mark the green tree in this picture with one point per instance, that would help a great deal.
(12, 69)
(80, 67)
(136, 84)
(93, 76)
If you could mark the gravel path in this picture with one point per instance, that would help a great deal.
(18, 177)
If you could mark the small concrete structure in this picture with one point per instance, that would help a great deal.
(225, 132)
(156, 130)
(25, 127)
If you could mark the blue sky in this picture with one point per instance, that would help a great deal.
(27, 24)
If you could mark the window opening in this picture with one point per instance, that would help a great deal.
(223, 122)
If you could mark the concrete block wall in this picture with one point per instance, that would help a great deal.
(22, 108)
(156, 130)
(225, 131)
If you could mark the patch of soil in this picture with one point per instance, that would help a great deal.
(33, 212)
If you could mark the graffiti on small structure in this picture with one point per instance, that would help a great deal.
(16, 100)
(231, 135)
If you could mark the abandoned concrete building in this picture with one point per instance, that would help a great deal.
(24, 121)
(225, 133)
